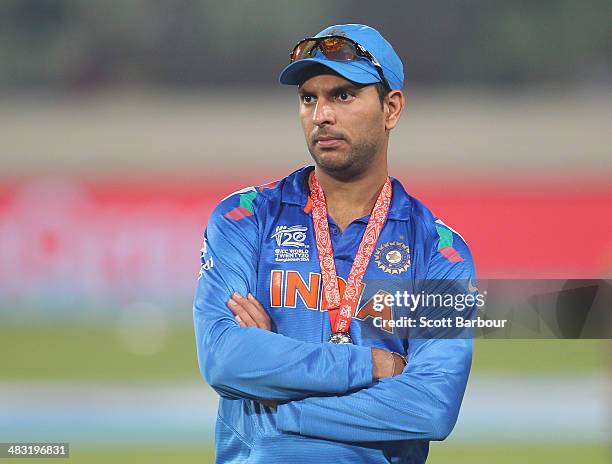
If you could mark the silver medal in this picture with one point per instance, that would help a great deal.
(341, 338)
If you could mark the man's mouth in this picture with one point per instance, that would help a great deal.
(328, 141)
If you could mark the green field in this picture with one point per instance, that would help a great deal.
(82, 352)
(440, 453)
(61, 352)
(507, 453)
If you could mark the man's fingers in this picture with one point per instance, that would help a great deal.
(242, 324)
(258, 315)
(253, 300)
(240, 312)
(250, 310)
(263, 317)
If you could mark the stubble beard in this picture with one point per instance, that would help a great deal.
(348, 164)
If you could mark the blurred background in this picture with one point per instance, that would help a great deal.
(122, 124)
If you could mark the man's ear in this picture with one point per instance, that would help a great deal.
(394, 105)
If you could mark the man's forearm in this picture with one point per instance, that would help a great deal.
(253, 363)
(421, 404)
(249, 313)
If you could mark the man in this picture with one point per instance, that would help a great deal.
(293, 271)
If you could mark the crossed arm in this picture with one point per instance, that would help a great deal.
(250, 313)
(420, 402)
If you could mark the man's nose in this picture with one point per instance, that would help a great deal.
(323, 114)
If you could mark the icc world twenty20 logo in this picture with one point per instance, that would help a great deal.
(293, 236)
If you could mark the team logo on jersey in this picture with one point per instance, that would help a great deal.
(290, 244)
(393, 257)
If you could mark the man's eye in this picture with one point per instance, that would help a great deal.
(307, 99)
(344, 96)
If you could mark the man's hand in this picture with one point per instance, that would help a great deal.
(249, 312)
(386, 364)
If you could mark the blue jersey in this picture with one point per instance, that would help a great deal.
(261, 240)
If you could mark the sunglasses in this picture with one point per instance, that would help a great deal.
(336, 48)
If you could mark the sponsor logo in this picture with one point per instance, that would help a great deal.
(393, 257)
(290, 243)
(206, 266)
(336, 31)
(207, 261)
(245, 208)
(445, 242)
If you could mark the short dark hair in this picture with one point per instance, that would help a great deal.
(382, 92)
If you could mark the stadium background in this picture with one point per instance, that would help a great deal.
(123, 123)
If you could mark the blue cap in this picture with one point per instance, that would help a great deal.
(361, 71)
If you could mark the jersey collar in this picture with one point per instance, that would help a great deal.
(295, 191)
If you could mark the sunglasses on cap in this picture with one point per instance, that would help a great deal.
(336, 48)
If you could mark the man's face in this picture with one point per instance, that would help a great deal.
(343, 123)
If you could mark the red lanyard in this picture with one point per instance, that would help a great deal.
(348, 302)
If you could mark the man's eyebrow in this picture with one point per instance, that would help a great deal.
(334, 90)
(344, 88)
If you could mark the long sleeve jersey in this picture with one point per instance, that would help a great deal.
(260, 240)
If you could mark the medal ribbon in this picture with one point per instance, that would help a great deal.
(348, 302)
